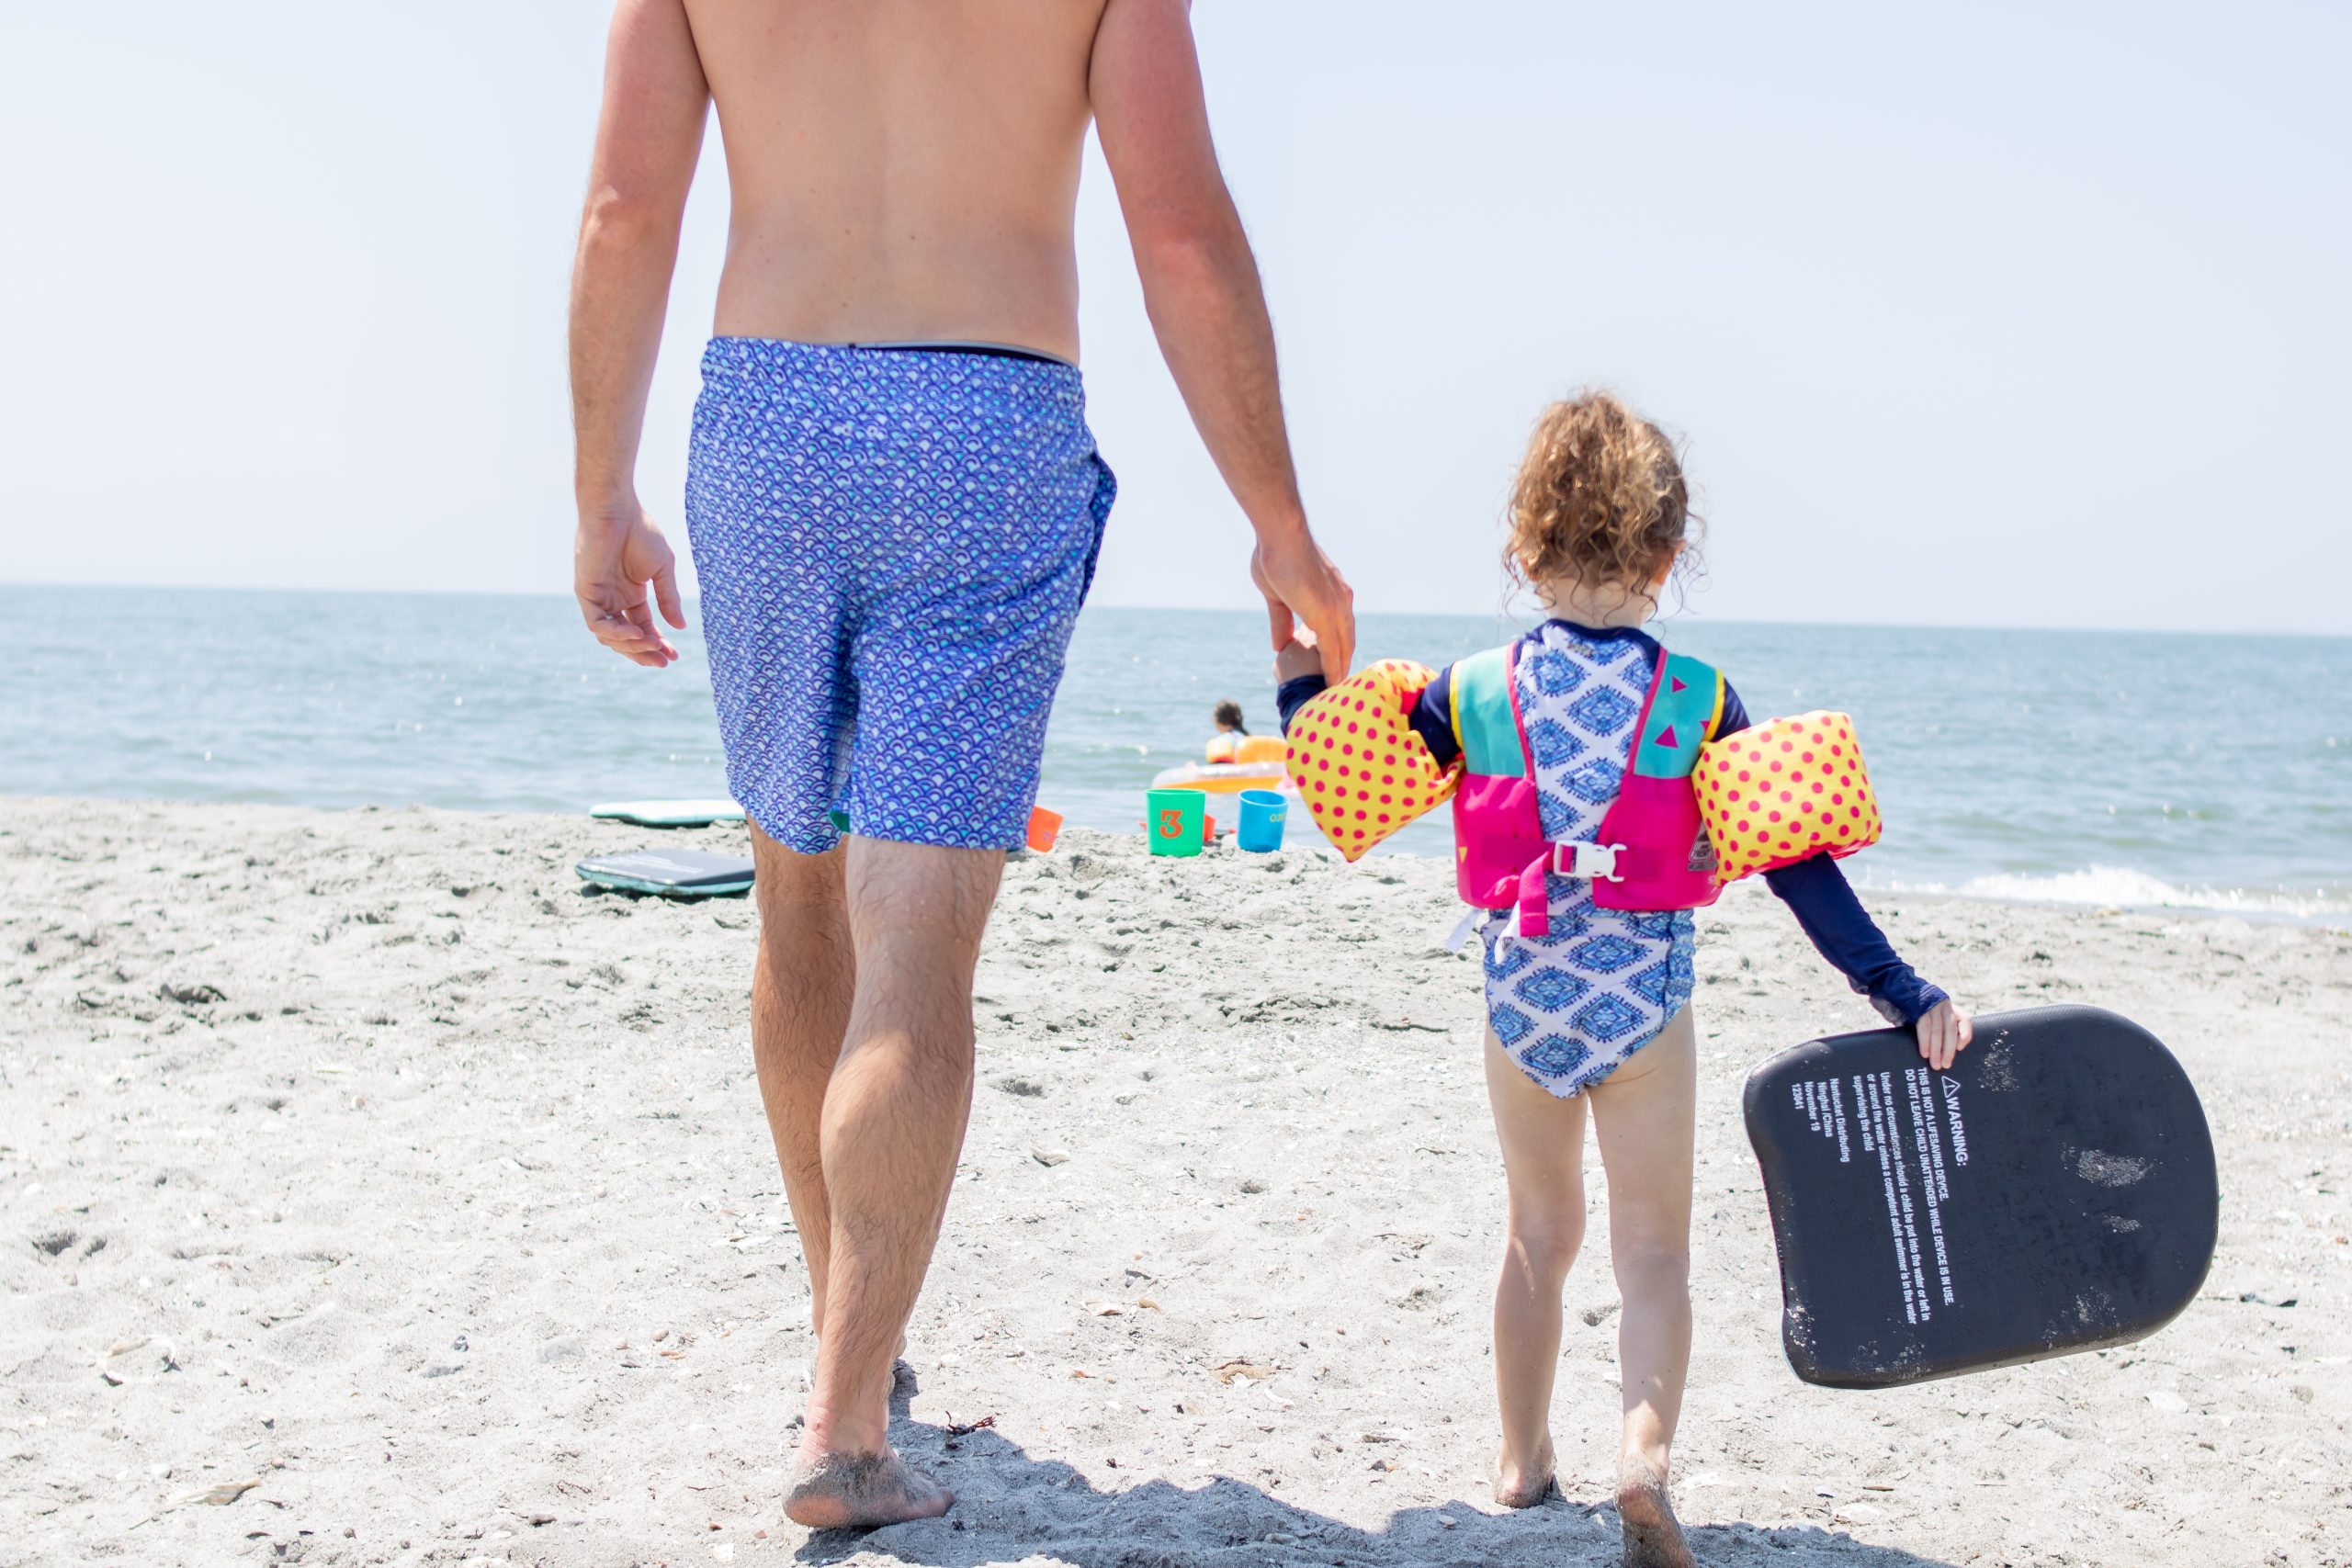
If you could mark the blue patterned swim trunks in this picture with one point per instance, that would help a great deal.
(893, 546)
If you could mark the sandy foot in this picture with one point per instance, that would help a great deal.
(1653, 1535)
(1523, 1486)
(862, 1491)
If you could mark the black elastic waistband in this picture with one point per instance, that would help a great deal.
(992, 350)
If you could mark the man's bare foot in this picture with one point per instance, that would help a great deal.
(1525, 1484)
(1653, 1535)
(850, 1492)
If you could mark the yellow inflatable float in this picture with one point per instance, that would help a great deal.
(1235, 762)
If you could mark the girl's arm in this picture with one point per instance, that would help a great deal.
(1300, 671)
(1296, 692)
(1841, 930)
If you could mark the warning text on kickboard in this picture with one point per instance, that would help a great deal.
(1907, 1128)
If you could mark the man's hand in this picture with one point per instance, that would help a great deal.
(616, 558)
(1301, 584)
(1944, 1032)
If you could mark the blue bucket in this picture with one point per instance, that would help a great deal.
(1263, 814)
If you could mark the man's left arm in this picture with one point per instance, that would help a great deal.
(648, 139)
(1200, 290)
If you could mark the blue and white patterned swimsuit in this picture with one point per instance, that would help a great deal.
(1570, 1007)
(892, 546)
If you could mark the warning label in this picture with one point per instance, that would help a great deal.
(1898, 1128)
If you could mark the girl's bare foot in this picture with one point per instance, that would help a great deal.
(1653, 1535)
(1522, 1485)
(862, 1491)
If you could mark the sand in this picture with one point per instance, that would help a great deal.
(373, 1194)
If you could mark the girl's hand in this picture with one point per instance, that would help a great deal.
(1299, 656)
(1944, 1034)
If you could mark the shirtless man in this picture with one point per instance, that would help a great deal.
(895, 507)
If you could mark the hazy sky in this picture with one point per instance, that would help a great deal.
(2009, 313)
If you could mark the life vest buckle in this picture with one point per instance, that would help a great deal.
(1596, 863)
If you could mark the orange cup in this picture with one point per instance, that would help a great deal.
(1208, 831)
(1045, 826)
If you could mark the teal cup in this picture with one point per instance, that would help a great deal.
(1171, 818)
(1263, 814)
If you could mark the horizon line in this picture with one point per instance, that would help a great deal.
(1498, 613)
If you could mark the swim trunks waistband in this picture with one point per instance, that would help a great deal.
(959, 345)
(743, 346)
(766, 367)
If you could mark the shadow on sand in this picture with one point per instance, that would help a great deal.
(1012, 1508)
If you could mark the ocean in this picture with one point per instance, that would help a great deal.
(2132, 769)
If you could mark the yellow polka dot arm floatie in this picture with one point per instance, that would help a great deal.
(1784, 791)
(1360, 771)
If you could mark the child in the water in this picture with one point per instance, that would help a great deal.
(1596, 1012)
(1225, 746)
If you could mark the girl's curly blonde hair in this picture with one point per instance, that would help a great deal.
(1601, 498)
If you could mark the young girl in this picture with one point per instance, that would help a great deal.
(1595, 1014)
(1225, 746)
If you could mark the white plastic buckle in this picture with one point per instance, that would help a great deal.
(1596, 862)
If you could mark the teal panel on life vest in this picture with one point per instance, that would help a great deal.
(1483, 720)
(1689, 698)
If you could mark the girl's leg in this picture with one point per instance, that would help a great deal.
(1645, 1115)
(1542, 1141)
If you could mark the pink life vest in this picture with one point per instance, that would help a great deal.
(1651, 851)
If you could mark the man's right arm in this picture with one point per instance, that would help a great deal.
(1199, 285)
(648, 140)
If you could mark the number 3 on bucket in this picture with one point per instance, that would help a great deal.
(1175, 816)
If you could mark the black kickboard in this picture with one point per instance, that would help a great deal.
(670, 873)
(2052, 1191)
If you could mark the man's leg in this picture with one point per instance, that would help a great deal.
(893, 1127)
(800, 1003)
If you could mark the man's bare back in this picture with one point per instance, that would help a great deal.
(901, 169)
